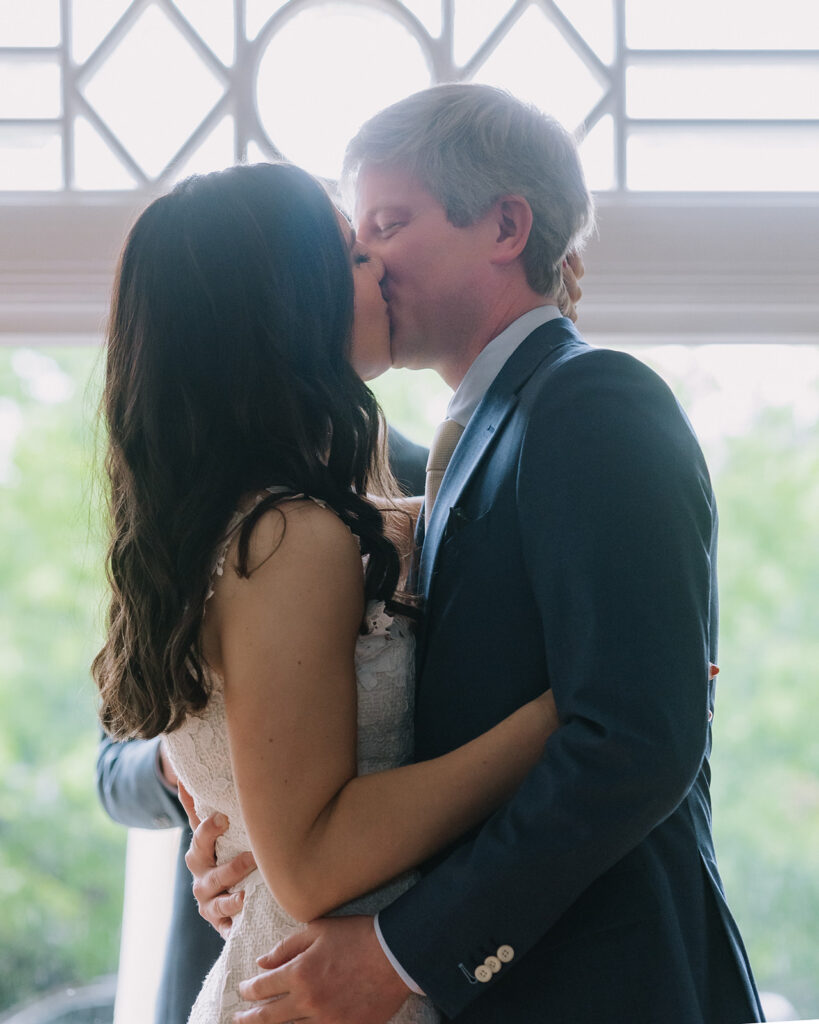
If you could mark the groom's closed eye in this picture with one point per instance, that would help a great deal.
(389, 218)
(389, 228)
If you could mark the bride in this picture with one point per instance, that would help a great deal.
(256, 617)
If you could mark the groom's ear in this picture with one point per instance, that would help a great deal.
(512, 219)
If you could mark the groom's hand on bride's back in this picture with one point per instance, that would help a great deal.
(211, 883)
(332, 972)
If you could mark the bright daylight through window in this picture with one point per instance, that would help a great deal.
(698, 123)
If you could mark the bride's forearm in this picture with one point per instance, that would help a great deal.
(378, 826)
(283, 641)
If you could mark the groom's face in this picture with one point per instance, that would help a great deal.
(434, 271)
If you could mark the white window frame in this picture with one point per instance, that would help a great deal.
(664, 267)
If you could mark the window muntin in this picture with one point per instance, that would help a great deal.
(140, 88)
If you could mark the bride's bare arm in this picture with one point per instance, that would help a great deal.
(284, 642)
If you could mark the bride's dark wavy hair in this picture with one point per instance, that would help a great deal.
(226, 371)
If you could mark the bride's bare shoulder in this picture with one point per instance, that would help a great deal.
(299, 530)
(291, 544)
(303, 564)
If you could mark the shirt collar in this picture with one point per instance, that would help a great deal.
(488, 363)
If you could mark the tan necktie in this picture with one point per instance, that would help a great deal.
(443, 445)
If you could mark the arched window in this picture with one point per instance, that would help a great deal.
(699, 123)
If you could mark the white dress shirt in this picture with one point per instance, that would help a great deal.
(466, 399)
(488, 363)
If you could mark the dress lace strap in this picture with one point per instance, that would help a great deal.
(239, 517)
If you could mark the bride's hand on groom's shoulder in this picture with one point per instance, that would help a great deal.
(212, 882)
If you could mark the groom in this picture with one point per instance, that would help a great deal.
(572, 545)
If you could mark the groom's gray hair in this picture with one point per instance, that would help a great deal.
(468, 145)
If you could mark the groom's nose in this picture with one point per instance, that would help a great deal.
(377, 265)
(380, 271)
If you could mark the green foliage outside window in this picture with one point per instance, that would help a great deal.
(61, 860)
(766, 753)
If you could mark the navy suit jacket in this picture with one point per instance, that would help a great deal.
(408, 462)
(573, 546)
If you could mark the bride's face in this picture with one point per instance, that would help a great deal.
(370, 350)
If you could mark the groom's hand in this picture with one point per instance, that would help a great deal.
(333, 972)
(211, 883)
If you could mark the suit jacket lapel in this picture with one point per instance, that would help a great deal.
(483, 427)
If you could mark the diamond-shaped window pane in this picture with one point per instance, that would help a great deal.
(29, 88)
(594, 20)
(535, 63)
(153, 91)
(597, 155)
(29, 22)
(214, 23)
(215, 153)
(310, 95)
(95, 166)
(30, 158)
(473, 23)
(91, 21)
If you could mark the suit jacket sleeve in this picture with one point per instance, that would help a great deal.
(130, 787)
(616, 522)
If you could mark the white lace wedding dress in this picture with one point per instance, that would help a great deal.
(200, 754)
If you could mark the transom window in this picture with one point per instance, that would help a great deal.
(103, 95)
